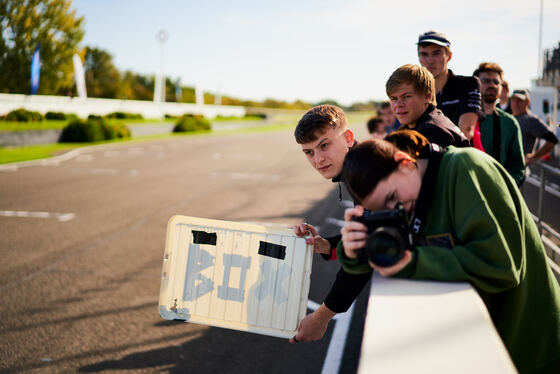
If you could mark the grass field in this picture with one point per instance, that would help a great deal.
(278, 122)
(59, 124)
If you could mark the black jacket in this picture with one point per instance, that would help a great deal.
(439, 129)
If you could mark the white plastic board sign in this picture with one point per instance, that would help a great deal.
(240, 276)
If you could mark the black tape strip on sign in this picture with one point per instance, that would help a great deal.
(272, 250)
(203, 237)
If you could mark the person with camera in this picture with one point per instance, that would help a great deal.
(468, 222)
(325, 140)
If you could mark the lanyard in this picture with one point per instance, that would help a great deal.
(424, 200)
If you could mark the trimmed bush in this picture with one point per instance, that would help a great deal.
(80, 131)
(92, 130)
(191, 123)
(124, 115)
(22, 115)
(258, 115)
(115, 131)
(55, 115)
(71, 116)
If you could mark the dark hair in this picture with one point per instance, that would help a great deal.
(384, 105)
(317, 120)
(488, 67)
(366, 164)
(409, 141)
(372, 124)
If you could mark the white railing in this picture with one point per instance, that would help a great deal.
(429, 327)
(86, 106)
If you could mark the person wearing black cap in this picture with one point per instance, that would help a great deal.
(532, 127)
(500, 132)
(458, 97)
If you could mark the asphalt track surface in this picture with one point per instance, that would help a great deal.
(82, 247)
(81, 242)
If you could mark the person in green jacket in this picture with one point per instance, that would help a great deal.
(470, 223)
(500, 132)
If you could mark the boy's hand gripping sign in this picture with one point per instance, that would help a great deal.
(240, 276)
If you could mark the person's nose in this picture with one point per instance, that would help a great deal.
(318, 157)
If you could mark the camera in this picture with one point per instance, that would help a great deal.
(388, 236)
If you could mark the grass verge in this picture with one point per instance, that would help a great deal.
(35, 152)
(59, 124)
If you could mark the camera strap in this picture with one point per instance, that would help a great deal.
(424, 200)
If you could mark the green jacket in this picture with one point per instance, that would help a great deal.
(511, 145)
(478, 229)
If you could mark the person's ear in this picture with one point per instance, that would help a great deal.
(428, 99)
(449, 56)
(403, 158)
(349, 136)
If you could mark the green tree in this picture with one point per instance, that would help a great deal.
(102, 77)
(136, 87)
(26, 23)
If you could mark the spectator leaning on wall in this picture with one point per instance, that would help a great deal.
(532, 127)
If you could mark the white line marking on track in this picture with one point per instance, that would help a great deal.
(336, 222)
(109, 171)
(247, 176)
(9, 168)
(347, 203)
(84, 158)
(62, 217)
(136, 151)
(111, 153)
(338, 338)
(337, 343)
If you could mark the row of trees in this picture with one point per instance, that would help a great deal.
(24, 24)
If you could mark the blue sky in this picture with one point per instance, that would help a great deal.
(313, 50)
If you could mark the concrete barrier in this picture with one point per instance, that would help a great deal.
(429, 327)
(84, 107)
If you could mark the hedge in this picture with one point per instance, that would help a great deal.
(92, 130)
(23, 115)
(124, 115)
(191, 123)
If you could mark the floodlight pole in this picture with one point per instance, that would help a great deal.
(159, 89)
(540, 66)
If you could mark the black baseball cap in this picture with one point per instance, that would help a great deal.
(434, 37)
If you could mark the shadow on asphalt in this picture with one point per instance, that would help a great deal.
(243, 352)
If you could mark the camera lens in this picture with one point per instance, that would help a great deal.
(385, 246)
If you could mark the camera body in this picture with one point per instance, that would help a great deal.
(388, 236)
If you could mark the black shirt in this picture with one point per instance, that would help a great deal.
(439, 129)
(460, 95)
